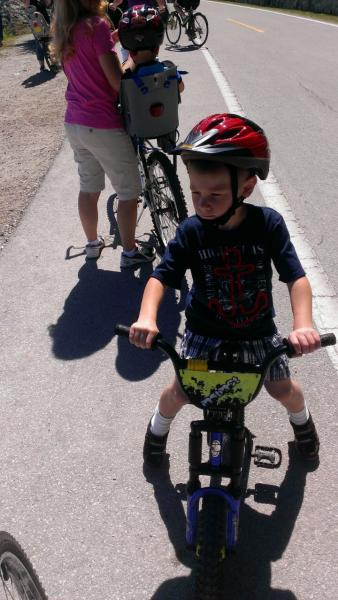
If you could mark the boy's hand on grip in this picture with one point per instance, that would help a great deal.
(304, 340)
(143, 333)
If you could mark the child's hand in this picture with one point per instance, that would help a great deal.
(128, 64)
(304, 340)
(143, 333)
(115, 36)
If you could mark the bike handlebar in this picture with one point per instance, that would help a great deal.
(326, 339)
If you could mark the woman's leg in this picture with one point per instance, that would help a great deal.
(126, 220)
(88, 213)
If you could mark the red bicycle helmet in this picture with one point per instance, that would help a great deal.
(231, 139)
(141, 28)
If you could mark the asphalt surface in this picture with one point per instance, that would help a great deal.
(75, 401)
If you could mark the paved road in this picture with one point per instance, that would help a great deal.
(75, 401)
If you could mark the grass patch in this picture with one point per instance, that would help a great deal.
(290, 11)
(9, 36)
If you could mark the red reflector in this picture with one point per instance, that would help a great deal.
(156, 110)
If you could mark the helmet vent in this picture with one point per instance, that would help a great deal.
(230, 133)
(214, 124)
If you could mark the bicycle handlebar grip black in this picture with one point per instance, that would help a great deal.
(327, 339)
(122, 330)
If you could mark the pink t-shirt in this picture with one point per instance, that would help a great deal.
(91, 101)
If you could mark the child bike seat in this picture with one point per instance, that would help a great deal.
(149, 102)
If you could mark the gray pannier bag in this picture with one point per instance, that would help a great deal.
(149, 103)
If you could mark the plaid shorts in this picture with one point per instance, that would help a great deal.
(194, 345)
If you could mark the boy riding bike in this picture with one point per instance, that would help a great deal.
(229, 247)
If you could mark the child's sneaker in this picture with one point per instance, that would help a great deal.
(306, 439)
(141, 255)
(154, 448)
(94, 249)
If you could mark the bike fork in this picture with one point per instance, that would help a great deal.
(195, 492)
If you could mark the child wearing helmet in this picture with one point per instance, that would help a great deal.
(124, 5)
(141, 32)
(229, 247)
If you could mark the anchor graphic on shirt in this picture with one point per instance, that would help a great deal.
(234, 270)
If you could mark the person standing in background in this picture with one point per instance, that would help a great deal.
(82, 41)
(41, 7)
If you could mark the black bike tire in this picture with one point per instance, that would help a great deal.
(177, 16)
(13, 560)
(198, 14)
(210, 549)
(180, 207)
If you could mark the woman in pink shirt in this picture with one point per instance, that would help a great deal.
(82, 41)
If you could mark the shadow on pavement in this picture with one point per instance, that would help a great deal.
(27, 47)
(101, 299)
(262, 538)
(38, 79)
(178, 48)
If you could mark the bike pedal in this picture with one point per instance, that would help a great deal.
(267, 457)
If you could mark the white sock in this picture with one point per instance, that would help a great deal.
(160, 425)
(299, 418)
(94, 242)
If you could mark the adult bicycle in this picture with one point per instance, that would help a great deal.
(18, 580)
(149, 106)
(161, 193)
(222, 387)
(195, 25)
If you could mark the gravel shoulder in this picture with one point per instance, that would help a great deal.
(31, 126)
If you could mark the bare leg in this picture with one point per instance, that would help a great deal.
(172, 399)
(288, 392)
(88, 213)
(126, 220)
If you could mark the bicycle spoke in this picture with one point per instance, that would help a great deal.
(168, 207)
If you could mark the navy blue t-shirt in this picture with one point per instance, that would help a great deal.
(231, 296)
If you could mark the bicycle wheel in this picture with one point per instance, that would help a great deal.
(173, 28)
(211, 549)
(168, 204)
(18, 580)
(198, 29)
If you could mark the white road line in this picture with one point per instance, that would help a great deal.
(325, 301)
(276, 12)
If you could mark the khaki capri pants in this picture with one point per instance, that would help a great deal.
(105, 151)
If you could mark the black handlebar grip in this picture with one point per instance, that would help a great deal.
(327, 339)
(122, 330)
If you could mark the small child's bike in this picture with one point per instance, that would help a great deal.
(222, 387)
(18, 580)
